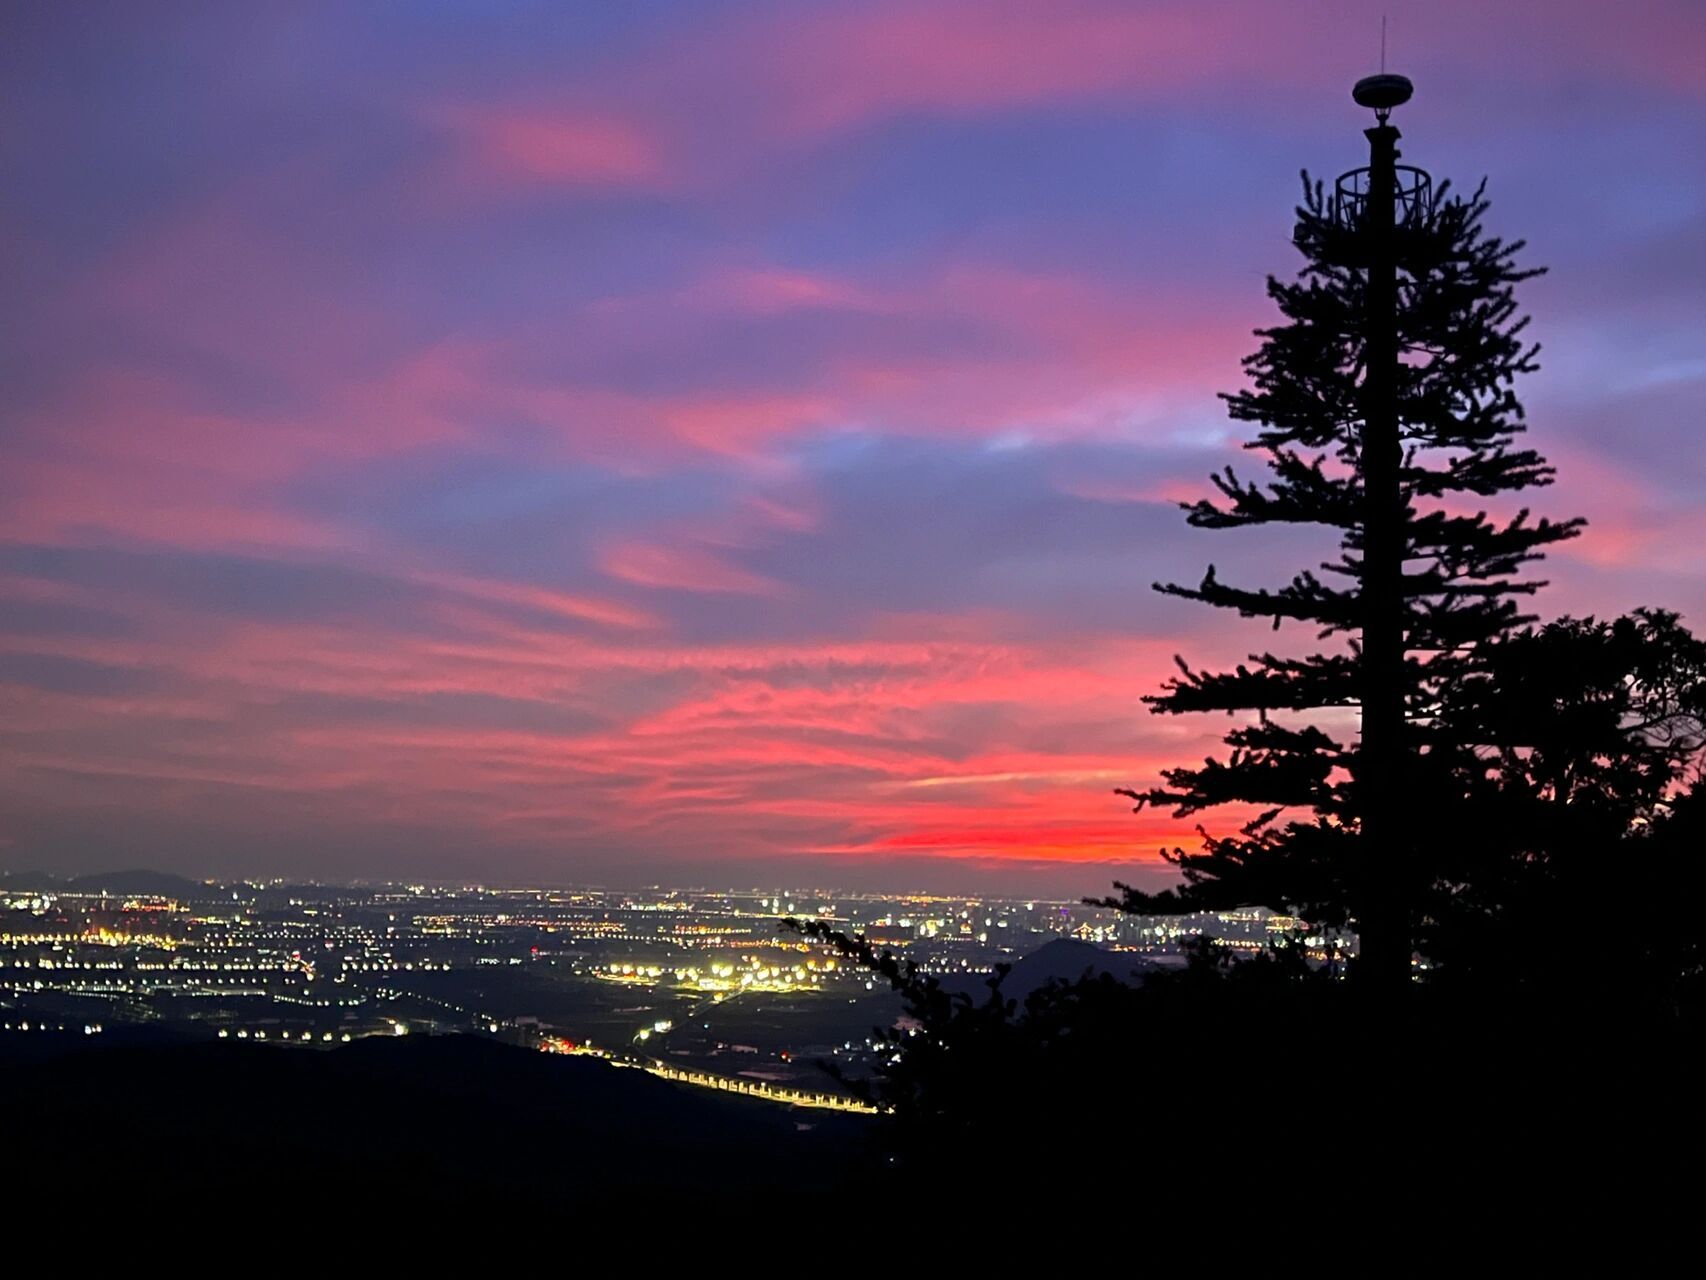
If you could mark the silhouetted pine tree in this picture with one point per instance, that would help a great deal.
(1461, 348)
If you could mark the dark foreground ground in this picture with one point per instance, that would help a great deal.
(1190, 1135)
(419, 1121)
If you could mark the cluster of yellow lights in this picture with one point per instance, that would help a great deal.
(326, 1037)
(724, 978)
(102, 936)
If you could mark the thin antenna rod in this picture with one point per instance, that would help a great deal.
(1383, 44)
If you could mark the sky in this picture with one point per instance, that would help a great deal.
(730, 442)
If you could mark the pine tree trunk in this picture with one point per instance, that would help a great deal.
(1384, 926)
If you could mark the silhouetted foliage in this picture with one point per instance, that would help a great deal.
(961, 1069)
(1559, 767)
(1552, 790)
(1239, 1087)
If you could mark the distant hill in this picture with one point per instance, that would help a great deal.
(1062, 960)
(1067, 960)
(139, 881)
(133, 881)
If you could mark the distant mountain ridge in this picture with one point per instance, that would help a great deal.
(136, 880)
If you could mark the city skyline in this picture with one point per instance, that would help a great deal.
(730, 443)
(731, 997)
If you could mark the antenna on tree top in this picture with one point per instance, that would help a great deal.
(1384, 91)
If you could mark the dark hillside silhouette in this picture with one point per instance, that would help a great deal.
(452, 1122)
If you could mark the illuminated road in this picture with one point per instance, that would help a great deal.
(711, 1080)
(735, 1084)
(758, 1089)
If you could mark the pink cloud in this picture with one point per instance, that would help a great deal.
(581, 607)
(681, 568)
(1092, 489)
(843, 66)
(738, 424)
(124, 455)
(1061, 355)
(704, 109)
(538, 145)
(775, 291)
(840, 67)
